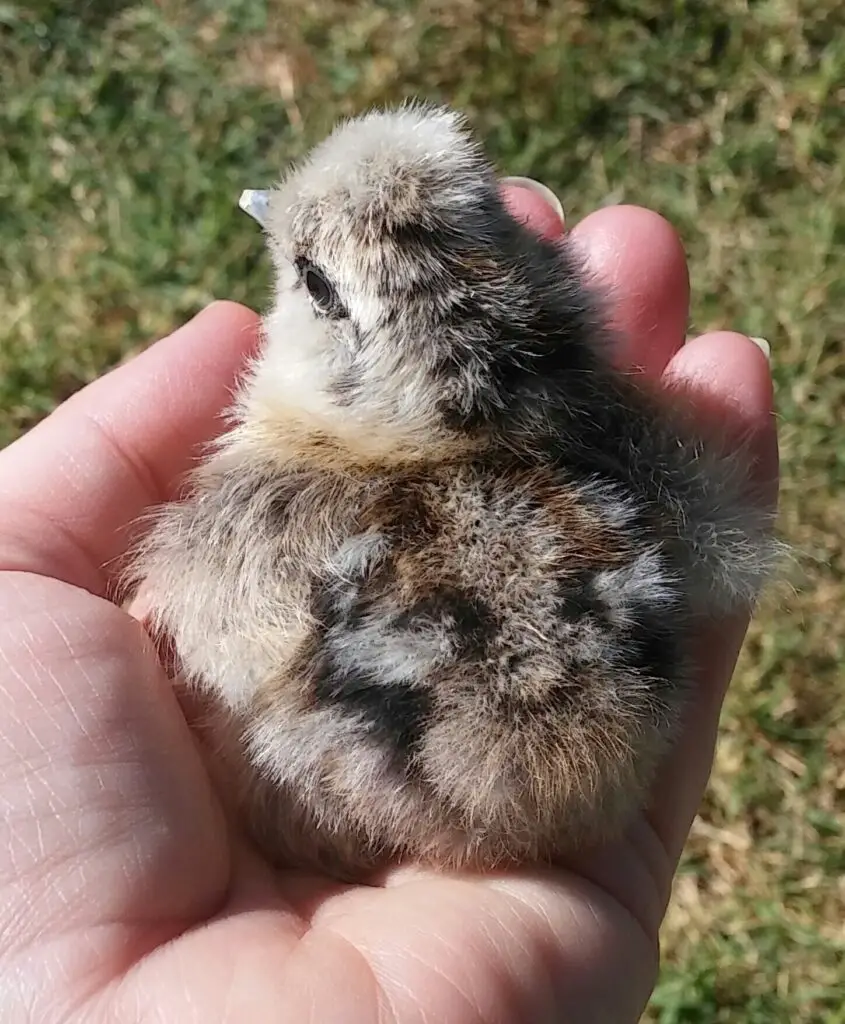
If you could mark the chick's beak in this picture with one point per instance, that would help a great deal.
(255, 201)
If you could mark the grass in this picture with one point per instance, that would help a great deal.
(131, 127)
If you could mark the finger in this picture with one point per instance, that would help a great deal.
(534, 206)
(637, 261)
(727, 377)
(71, 486)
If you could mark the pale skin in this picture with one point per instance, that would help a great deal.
(125, 895)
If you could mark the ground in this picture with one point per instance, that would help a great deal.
(130, 129)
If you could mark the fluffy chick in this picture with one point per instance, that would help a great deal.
(437, 586)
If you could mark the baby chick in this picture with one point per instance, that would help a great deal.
(436, 588)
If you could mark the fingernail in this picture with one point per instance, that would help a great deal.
(541, 190)
(764, 347)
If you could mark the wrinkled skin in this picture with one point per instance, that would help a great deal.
(124, 893)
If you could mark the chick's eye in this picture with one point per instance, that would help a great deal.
(320, 289)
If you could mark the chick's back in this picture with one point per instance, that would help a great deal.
(470, 662)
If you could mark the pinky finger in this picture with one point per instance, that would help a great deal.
(726, 375)
(726, 378)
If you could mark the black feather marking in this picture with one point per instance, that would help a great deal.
(578, 597)
(396, 715)
(467, 616)
(655, 646)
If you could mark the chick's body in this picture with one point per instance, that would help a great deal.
(437, 587)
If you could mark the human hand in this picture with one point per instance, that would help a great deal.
(124, 893)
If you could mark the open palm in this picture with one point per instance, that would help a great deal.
(124, 892)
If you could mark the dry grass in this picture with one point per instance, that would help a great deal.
(131, 127)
